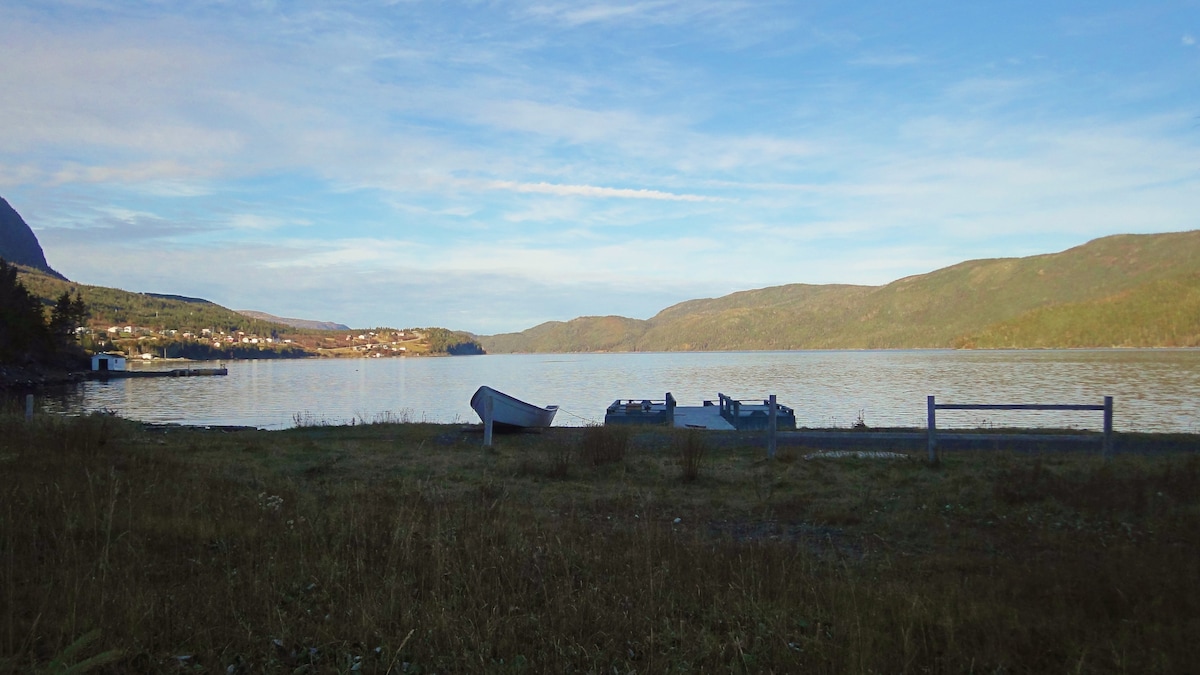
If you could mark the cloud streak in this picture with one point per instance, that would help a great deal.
(592, 191)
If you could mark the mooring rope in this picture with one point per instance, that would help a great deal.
(579, 417)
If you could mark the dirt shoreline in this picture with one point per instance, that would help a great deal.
(31, 378)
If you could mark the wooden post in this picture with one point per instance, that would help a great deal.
(932, 411)
(487, 422)
(28, 407)
(772, 426)
(1108, 427)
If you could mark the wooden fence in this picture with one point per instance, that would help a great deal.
(1105, 439)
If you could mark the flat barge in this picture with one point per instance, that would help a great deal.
(725, 413)
(175, 372)
(641, 412)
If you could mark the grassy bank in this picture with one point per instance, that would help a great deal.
(409, 548)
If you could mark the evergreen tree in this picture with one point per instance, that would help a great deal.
(24, 335)
(67, 315)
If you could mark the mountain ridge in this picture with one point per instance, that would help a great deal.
(19, 245)
(307, 324)
(993, 302)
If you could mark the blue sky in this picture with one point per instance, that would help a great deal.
(488, 166)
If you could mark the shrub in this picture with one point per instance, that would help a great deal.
(604, 445)
(559, 456)
(691, 447)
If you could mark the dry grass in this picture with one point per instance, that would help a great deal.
(691, 448)
(409, 548)
(604, 445)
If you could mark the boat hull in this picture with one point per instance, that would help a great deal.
(509, 413)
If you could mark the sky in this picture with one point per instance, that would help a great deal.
(488, 166)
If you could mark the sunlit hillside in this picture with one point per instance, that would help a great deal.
(1123, 291)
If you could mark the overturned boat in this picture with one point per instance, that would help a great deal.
(508, 413)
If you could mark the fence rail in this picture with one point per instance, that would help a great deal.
(1106, 406)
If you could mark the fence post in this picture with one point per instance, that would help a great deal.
(932, 425)
(1108, 427)
(487, 422)
(28, 407)
(772, 425)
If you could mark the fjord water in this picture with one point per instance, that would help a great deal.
(1153, 390)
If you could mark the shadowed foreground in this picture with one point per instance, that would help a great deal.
(408, 548)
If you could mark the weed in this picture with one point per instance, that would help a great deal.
(67, 663)
(604, 444)
(691, 448)
(558, 457)
(404, 416)
(307, 419)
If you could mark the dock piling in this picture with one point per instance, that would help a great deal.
(772, 426)
(487, 422)
(932, 427)
(1108, 427)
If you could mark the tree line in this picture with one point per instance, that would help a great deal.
(454, 343)
(27, 334)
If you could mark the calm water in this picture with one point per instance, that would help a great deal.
(1154, 390)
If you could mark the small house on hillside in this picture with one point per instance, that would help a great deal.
(108, 362)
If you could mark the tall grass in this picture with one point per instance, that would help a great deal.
(691, 448)
(416, 552)
(604, 444)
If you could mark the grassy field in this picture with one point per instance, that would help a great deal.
(410, 548)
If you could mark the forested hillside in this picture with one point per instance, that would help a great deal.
(116, 307)
(1162, 313)
(177, 326)
(1125, 290)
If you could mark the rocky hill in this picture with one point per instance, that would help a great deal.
(1119, 291)
(18, 244)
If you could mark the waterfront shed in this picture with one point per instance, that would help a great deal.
(108, 362)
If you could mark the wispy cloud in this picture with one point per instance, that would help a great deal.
(597, 192)
(162, 178)
(887, 60)
(253, 221)
(992, 90)
(649, 12)
(598, 12)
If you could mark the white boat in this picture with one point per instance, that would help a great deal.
(510, 413)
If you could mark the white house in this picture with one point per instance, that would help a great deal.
(108, 362)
